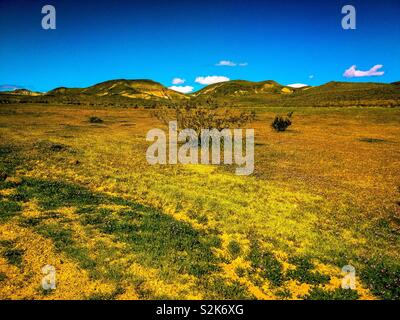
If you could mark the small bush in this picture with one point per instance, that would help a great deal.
(280, 123)
(94, 119)
(3, 176)
(201, 117)
(56, 147)
(49, 146)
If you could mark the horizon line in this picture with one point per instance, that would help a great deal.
(19, 87)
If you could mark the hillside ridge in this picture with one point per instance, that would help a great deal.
(149, 93)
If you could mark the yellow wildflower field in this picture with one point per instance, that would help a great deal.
(81, 197)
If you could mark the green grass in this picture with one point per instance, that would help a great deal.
(107, 296)
(337, 294)
(12, 254)
(30, 222)
(9, 160)
(63, 239)
(234, 249)
(154, 228)
(159, 240)
(383, 278)
(222, 289)
(304, 273)
(284, 293)
(2, 276)
(265, 263)
(8, 209)
(163, 241)
(54, 194)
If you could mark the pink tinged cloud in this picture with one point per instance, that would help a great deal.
(9, 87)
(178, 81)
(352, 72)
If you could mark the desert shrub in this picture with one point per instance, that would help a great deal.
(57, 147)
(49, 146)
(281, 123)
(198, 118)
(3, 176)
(94, 119)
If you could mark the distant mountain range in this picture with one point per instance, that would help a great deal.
(149, 93)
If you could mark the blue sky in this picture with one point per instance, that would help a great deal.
(287, 41)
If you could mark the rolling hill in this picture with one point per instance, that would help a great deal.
(242, 93)
(237, 88)
(118, 92)
(271, 93)
(23, 92)
(347, 94)
(135, 89)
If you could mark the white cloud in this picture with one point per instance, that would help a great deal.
(353, 72)
(311, 76)
(297, 85)
(227, 63)
(178, 81)
(182, 89)
(211, 79)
